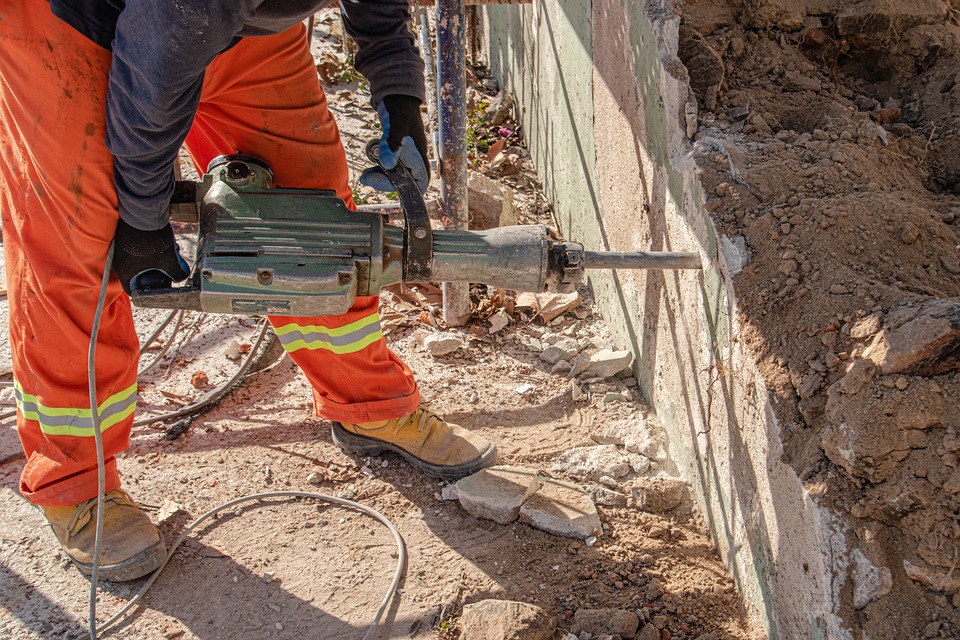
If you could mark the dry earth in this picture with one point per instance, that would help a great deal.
(294, 569)
(827, 138)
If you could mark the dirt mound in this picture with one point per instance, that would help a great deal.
(827, 138)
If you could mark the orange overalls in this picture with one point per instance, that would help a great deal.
(59, 209)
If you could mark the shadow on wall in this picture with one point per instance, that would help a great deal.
(635, 196)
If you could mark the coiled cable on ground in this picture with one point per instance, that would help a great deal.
(94, 629)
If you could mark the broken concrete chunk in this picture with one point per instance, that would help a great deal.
(928, 344)
(659, 495)
(563, 511)
(592, 463)
(500, 109)
(440, 344)
(869, 581)
(499, 321)
(606, 363)
(597, 622)
(554, 354)
(489, 201)
(608, 497)
(506, 620)
(633, 434)
(497, 493)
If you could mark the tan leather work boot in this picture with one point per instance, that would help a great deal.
(131, 546)
(423, 439)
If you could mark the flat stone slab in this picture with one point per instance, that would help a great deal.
(497, 493)
(562, 510)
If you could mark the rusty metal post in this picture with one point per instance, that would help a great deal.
(451, 52)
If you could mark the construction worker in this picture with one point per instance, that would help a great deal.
(96, 99)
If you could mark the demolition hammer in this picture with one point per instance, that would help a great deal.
(302, 252)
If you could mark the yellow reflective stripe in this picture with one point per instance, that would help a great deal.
(349, 338)
(334, 331)
(75, 421)
(338, 349)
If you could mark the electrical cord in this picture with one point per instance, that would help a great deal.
(94, 629)
(166, 345)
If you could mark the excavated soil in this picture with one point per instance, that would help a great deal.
(830, 154)
(298, 569)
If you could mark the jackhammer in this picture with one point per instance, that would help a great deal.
(302, 252)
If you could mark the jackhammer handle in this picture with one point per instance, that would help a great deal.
(640, 260)
(183, 204)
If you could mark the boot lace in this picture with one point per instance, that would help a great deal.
(424, 419)
(86, 510)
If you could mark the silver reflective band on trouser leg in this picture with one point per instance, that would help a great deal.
(76, 421)
(349, 338)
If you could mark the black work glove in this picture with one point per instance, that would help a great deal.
(147, 259)
(403, 140)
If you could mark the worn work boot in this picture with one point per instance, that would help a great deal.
(131, 546)
(423, 439)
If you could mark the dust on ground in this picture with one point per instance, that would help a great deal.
(294, 569)
(830, 153)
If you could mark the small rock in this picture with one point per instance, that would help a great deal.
(199, 379)
(613, 397)
(554, 354)
(440, 344)
(909, 233)
(449, 492)
(866, 327)
(950, 263)
(500, 109)
(315, 478)
(869, 582)
(561, 368)
(498, 321)
(608, 497)
(838, 290)
(233, 350)
(489, 201)
(606, 621)
(580, 364)
(653, 590)
(649, 632)
(606, 363)
(563, 511)
(577, 393)
(659, 495)
(168, 509)
(525, 389)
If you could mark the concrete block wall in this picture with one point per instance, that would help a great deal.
(606, 113)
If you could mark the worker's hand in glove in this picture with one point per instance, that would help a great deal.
(403, 141)
(147, 259)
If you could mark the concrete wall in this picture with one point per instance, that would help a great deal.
(606, 111)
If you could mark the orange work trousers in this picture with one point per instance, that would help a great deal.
(59, 209)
